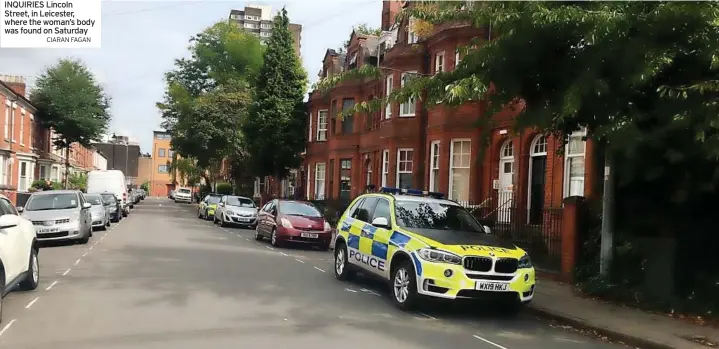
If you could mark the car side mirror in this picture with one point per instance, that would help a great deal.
(86, 205)
(487, 229)
(20, 209)
(9, 221)
(380, 222)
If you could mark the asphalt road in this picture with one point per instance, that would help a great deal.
(164, 279)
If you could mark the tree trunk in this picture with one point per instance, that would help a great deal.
(67, 166)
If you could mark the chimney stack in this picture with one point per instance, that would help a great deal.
(16, 83)
(390, 9)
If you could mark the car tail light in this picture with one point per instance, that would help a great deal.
(124, 197)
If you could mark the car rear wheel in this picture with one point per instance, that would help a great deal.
(258, 236)
(33, 273)
(404, 286)
(343, 271)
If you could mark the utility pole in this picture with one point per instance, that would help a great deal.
(607, 244)
(114, 143)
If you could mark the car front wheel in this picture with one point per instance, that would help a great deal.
(404, 286)
(342, 267)
(33, 273)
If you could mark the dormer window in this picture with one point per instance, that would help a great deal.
(412, 37)
(353, 61)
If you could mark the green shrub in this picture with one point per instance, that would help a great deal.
(224, 188)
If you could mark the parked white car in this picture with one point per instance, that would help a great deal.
(183, 195)
(18, 251)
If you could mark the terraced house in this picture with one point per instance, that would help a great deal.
(519, 182)
(26, 150)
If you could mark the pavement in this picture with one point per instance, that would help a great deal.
(164, 279)
(635, 327)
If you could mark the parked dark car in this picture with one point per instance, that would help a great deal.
(288, 221)
(113, 206)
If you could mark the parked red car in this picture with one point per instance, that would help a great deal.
(287, 221)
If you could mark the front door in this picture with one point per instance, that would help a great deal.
(505, 198)
(537, 181)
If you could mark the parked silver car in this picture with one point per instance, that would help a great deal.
(59, 215)
(236, 210)
(99, 212)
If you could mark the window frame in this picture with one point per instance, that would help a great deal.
(320, 195)
(167, 170)
(567, 180)
(434, 154)
(320, 130)
(388, 86)
(399, 160)
(411, 102)
(452, 165)
(439, 62)
(385, 167)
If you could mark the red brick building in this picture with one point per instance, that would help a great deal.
(411, 145)
(26, 151)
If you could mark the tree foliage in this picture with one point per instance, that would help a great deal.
(69, 100)
(208, 94)
(274, 132)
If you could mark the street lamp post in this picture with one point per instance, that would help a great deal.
(114, 143)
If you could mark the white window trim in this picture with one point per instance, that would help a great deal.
(451, 162)
(320, 195)
(308, 192)
(389, 80)
(385, 166)
(568, 157)
(22, 126)
(432, 154)
(7, 120)
(309, 127)
(320, 130)
(412, 37)
(397, 173)
(411, 101)
(3, 170)
(439, 66)
(457, 58)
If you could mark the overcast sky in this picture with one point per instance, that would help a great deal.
(140, 40)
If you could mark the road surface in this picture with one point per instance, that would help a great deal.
(164, 279)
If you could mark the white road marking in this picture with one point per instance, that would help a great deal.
(284, 254)
(84, 254)
(350, 290)
(269, 248)
(90, 249)
(77, 261)
(66, 271)
(319, 269)
(7, 326)
(489, 342)
(299, 260)
(369, 291)
(51, 285)
(428, 316)
(31, 303)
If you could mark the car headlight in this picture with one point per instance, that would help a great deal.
(438, 256)
(231, 213)
(328, 227)
(525, 262)
(286, 223)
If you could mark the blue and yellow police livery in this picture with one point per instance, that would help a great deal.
(426, 245)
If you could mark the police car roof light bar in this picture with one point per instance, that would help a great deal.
(414, 192)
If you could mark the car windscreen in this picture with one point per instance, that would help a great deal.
(51, 202)
(213, 199)
(413, 214)
(299, 209)
(184, 191)
(94, 199)
(241, 202)
(109, 199)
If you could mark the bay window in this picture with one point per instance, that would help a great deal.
(320, 168)
(385, 167)
(404, 168)
(322, 125)
(574, 164)
(434, 166)
(407, 108)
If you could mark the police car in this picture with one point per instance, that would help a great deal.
(425, 245)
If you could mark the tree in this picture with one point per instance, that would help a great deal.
(208, 95)
(71, 102)
(186, 169)
(275, 129)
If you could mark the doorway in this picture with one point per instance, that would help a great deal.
(505, 200)
(537, 180)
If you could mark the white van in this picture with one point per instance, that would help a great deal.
(109, 181)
